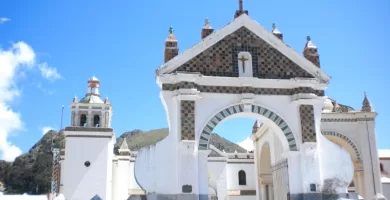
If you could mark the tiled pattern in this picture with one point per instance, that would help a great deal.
(208, 129)
(187, 109)
(349, 141)
(346, 119)
(239, 90)
(221, 58)
(308, 125)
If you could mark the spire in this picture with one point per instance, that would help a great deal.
(171, 35)
(309, 44)
(207, 29)
(74, 99)
(124, 148)
(367, 107)
(276, 32)
(171, 49)
(310, 52)
(255, 127)
(240, 10)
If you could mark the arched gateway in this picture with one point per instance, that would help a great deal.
(243, 70)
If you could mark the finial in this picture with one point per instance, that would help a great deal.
(171, 30)
(308, 38)
(206, 21)
(273, 25)
(241, 7)
(366, 105)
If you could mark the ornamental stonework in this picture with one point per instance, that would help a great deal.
(221, 59)
(240, 90)
(187, 112)
(308, 125)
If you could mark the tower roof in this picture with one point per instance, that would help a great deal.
(171, 36)
(309, 44)
(366, 105)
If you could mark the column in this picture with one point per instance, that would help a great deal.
(203, 178)
(270, 192)
(263, 192)
(257, 168)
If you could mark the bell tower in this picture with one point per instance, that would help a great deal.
(91, 110)
(89, 143)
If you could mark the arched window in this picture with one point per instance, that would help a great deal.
(241, 178)
(83, 120)
(96, 121)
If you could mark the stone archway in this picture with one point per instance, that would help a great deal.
(352, 144)
(349, 145)
(240, 108)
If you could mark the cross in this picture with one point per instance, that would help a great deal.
(243, 59)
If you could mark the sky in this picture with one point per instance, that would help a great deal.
(48, 50)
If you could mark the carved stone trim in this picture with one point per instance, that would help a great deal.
(241, 90)
(346, 119)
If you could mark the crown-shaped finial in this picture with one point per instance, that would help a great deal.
(171, 30)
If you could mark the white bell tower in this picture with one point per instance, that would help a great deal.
(89, 143)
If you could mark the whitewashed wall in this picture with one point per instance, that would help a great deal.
(242, 197)
(232, 174)
(82, 182)
(386, 190)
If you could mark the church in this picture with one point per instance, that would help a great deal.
(306, 145)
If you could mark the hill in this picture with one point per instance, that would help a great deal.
(31, 172)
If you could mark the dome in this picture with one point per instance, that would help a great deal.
(91, 99)
(328, 106)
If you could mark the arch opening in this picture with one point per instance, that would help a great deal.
(96, 121)
(83, 120)
(267, 116)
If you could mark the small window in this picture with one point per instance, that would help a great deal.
(241, 178)
(83, 120)
(96, 121)
(381, 167)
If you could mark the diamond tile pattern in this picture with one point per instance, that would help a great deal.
(307, 123)
(349, 141)
(187, 110)
(239, 90)
(221, 58)
(206, 132)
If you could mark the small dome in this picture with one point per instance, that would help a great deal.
(91, 99)
(93, 78)
(328, 106)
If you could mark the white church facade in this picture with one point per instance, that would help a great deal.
(307, 146)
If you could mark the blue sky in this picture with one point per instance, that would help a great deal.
(121, 42)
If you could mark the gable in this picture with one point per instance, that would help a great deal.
(221, 59)
(213, 55)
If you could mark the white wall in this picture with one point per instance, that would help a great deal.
(232, 174)
(81, 182)
(242, 197)
(386, 190)
(386, 165)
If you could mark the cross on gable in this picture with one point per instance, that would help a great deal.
(243, 59)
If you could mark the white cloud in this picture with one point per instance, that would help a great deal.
(4, 19)
(246, 144)
(13, 63)
(12, 60)
(46, 129)
(48, 72)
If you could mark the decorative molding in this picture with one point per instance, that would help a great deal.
(240, 89)
(346, 119)
(207, 130)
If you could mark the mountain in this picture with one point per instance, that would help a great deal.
(31, 172)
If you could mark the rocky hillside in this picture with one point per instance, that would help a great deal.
(31, 172)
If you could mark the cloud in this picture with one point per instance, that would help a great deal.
(46, 129)
(246, 144)
(44, 90)
(3, 20)
(48, 72)
(20, 56)
(14, 61)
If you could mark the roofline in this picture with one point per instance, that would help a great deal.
(243, 21)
